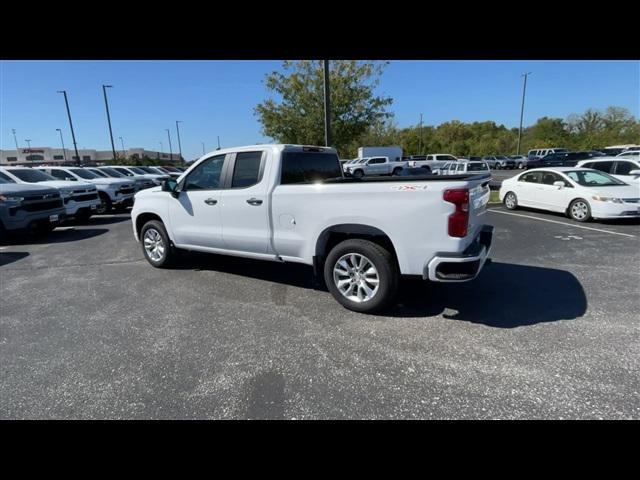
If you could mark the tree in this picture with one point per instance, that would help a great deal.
(296, 114)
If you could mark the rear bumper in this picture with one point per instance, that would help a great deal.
(461, 267)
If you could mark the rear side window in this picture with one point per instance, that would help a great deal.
(605, 167)
(623, 168)
(246, 171)
(532, 177)
(307, 167)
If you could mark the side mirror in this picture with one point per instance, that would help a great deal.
(634, 172)
(559, 184)
(171, 186)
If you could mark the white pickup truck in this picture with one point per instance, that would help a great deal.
(291, 203)
(374, 166)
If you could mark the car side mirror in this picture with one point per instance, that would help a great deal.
(559, 184)
(634, 172)
(171, 186)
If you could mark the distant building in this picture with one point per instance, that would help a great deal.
(39, 155)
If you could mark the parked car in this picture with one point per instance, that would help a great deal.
(163, 173)
(26, 207)
(521, 160)
(543, 152)
(394, 152)
(349, 163)
(113, 193)
(157, 178)
(498, 162)
(80, 199)
(140, 182)
(550, 160)
(623, 168)
(630, 154)
(580, 193)
(471, 167)
(375, 166)
(290, 203)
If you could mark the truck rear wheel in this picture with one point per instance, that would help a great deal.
(156, 245)
(397, 171)
(361, 275)
(105, 204)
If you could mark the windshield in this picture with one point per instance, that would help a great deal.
(137, 170)
(112, 172)
(4, 179)
(98, 173)
(145, 169)
(83, 173)
(124, 171)
(31, 176)
(588, 178)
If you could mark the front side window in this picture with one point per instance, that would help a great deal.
(62, 175)
(605, 167)
(531, 177)
(376, 160)
(623, 168)
(246, 171)
(206, 176)
(549, 178)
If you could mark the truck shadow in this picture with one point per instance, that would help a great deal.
(57, 236)
(503, 296)
(9, 257)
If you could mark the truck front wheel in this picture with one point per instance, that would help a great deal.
(156, 246)
(358, 174)
(361, 275)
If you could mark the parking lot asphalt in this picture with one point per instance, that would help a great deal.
(88, 329)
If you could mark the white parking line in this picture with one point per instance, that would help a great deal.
(561, 223)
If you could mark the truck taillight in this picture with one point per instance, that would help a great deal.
(458, 220)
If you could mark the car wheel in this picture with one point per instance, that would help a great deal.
(361, 275)
(496, 166)
(579, 210)
(358, 174)
(156, 245)
(105, 205)
(511, 201)
(83, 216)
(397, 171)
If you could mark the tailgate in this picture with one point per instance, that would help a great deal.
(478, 200)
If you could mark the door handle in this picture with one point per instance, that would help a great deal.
(254, 202)
(210, 201)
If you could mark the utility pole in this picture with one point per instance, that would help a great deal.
(524, 90)
(420, 149)
(15, 139)
(73, 135)
(106, 104)
(170, 149)
(64, 151)
(179, 145)
(327, 105)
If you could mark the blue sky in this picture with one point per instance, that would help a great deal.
(217, 97)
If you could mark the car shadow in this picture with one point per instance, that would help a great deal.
(504, 295)
(562, 216)
(99, 220)
(9, 257)
(56, 236)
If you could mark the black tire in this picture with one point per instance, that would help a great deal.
(427, 168)
(83, 217)
(358, 174)
(105, 204)
(388, 274)
(577, 213)
(508, 203)
(396, 171)
(496, 166)
(168, 257)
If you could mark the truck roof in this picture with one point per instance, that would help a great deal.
(280, 147)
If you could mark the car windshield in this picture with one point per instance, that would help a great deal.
(137, 170)
(590, 178)
(145, 169)
(99, 173)
(31, 176)
(5, 180)
(83, 173)
(124, 171)
(112, 172)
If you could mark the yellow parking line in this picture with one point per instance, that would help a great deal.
(561, 223)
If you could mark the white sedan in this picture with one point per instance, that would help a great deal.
(580, 193)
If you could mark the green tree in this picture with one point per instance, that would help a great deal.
(296, 114)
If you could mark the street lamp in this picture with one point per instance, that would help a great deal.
(64, 151)
(123, 151)
(28, 143)
(218, 142)
(15, 139)
(202, 147)
(106, 104)
(327, 105)
(179, 146)
(170, 148)
(73, 135)
(524, 89)
(420, 149)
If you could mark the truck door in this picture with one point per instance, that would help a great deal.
(245, 209)
(195, 215)
(378, 166)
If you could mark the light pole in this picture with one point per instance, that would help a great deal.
(420, 149)
(161, 150)
(28, 143)
(327, 105)
(218, 142)
(179, 146)
(124, 154)
(64, 151)
(202, 147)
(170, 148)
(15, 139)
(524, 90)
(73, 135)
(106, 105)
